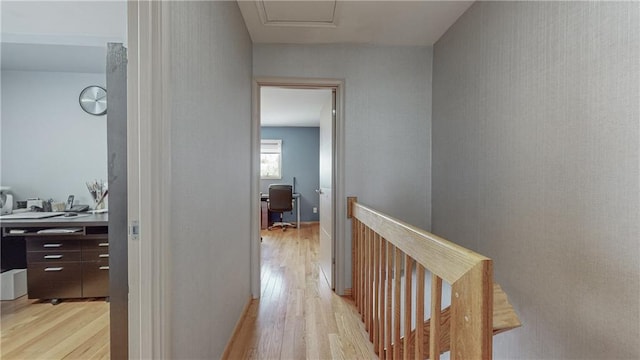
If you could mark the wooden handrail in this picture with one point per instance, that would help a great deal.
(442, 257)
(384, 248)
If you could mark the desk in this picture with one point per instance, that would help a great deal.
(264, 212)
(60, 265)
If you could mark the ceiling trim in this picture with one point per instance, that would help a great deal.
(264, 18)
(386, 23)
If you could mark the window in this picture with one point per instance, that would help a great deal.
(270, 159)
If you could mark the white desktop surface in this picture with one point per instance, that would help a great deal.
(31, 215)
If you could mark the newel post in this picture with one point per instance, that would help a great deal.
(350, 201)
(472, 313)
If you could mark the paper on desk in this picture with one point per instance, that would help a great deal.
(59, 231)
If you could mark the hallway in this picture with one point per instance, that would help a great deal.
(298, 316)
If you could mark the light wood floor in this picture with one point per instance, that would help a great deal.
(73, 329)
(298, 316)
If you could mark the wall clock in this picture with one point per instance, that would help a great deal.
(93, 100)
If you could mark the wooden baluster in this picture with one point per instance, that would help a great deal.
(434, 325)
(419, 346)
(361, 269)
(365, 277)
(355, 259)
(376, 293)
(369, 282)
(396, 301)
(408, 262)
(381, 297)
(363, 266)
(389, 311)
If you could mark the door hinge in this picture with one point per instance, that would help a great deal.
(134, 230)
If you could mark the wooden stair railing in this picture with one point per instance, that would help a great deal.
(383, 248)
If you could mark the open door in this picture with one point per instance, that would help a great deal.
(117, 172)
(327, 216)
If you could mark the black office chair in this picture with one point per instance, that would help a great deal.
(280, 201)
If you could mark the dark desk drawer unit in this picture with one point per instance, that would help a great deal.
(95, 255)
(52, 243)
(54, 281)
(95, 278)
(67, 266)
(53, 256)
(95, 267)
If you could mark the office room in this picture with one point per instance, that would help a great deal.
(290, 140)
(55, 178)
(291, 164)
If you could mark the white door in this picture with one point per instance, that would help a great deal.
(325, 192)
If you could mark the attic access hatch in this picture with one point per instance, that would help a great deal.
(308, 13)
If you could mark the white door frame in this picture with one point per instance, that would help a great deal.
(149, 179)
(339, 201)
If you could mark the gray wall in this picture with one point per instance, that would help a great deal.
(536, 162)
(50, 146)
(300, 146)
(387, 121)
(210, 67)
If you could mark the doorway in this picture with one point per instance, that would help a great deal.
(51, 44)
(326, 199)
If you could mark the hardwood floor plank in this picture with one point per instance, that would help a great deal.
(74, 329)
(298, 316)
(26, 335)
(78, 339)
(94, 347)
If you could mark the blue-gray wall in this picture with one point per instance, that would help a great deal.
(387, 123)
(535, 165)
(210, 217)
(58, 116)
(300, 158)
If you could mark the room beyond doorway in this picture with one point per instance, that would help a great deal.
(290, 135)
(289, 112)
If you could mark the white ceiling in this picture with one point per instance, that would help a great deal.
(292, 107)
(79, 19)
(405, 23)
(60, 35)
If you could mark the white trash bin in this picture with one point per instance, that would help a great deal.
(13, 284)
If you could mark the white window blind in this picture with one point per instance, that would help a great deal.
(270, 159)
